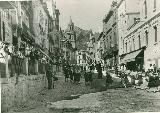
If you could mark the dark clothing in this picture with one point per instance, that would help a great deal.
(108, 79)
(151, 82)
(90, 78)
(157, 81)
(140, 79)
(133, 80)
(86, 77)
(77, 77)
(49, 83)
(99, 69)
(71, 75)
(66, 73)
(74, 76)
(49, 76)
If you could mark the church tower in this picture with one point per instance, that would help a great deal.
(71, 33)
(71, 25)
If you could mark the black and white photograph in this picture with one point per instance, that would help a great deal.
(80, 56)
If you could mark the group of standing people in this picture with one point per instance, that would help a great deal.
(75, 73)
(153, 77)
(71, 73)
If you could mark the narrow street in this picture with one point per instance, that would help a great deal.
(71, 98)
(108, 49)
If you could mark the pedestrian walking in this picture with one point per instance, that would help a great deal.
(86, 77)
(124, 79)
(151, 82)
(140, 78)
(90, 77)
(53, 78)
(109, 80)
(49, 75)
(99, 69)
(157, 81)
(78, 76)
(66, 73)
(132, 78)
(74, 75)
(71, 74)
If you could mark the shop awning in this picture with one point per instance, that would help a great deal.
(130, 57)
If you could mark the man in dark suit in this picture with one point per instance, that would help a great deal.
(49, 74)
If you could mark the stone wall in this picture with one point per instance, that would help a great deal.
(16, 94)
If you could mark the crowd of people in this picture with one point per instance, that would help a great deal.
(150, 78)
(74, 73)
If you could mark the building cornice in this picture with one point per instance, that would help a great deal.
(142, 25)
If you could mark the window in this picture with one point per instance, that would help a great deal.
(139, 38)
(121, 41)
(3, 31)
(130, 46)
(155, 2)
(145, 8)
(0, 27)
(146, 35)
(110, 41)
(126, 46)
(133, 44)
(155, 29)
(123, 46)
(114, 36)
(107, 42)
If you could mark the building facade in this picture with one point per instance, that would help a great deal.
(110, 35)
(100, 49)
(81, 58)
(24, 48)
(141, 35)
(91, 49)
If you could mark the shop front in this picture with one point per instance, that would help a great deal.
(133, 61)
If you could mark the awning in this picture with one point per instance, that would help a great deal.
(130, 57)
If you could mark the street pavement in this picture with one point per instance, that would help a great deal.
(72, 98)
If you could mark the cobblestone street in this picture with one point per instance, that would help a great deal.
(71, 98)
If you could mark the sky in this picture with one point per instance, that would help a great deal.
(86, 14)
